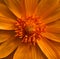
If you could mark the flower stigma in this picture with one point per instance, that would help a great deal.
(29, 29)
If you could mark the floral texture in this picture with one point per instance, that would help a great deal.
(30, 29)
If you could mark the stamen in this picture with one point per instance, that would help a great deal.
(29, 29)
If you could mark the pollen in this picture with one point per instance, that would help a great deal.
(29, 29)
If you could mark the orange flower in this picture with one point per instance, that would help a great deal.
(31, 28)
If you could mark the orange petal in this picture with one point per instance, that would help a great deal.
(55, 26)
(30, 6)
(45, 7)
(16, 6)
(5, 12)
(5, 35)
(56, 47)
(27, 51)
(47, 49)
(52, 18)
(7, 23)
(1, 1)
(51, 36)
(53, 29)
(8, 47)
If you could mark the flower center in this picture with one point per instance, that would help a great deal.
(29, 29)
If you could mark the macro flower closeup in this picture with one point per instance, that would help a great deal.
(30, 29)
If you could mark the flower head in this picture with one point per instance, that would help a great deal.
(30, 28)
